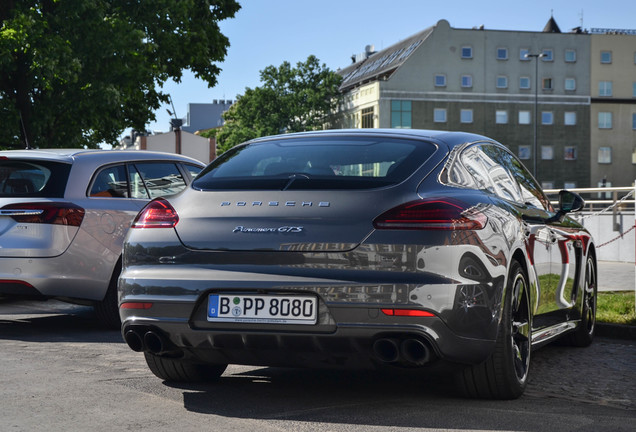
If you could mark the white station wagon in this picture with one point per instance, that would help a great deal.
(64, 214)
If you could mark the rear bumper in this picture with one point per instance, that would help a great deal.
(461, 285)
(66, 276)
(341, 344)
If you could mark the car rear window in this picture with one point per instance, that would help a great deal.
(26, 178)
(315, 163)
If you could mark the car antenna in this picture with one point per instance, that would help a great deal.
(26, 138)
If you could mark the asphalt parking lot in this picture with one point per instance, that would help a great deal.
(62, 372)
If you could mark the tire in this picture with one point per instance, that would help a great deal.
(584, 333)
(505, 373)
(107, 310)
(177, 370)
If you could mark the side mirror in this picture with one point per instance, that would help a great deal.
(570, 202)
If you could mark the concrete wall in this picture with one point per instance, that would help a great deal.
(192, 145)
(601, 228)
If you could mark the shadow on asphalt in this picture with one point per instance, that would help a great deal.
(52, 322)
(319, 395)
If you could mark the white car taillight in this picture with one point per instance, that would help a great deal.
(45, 213)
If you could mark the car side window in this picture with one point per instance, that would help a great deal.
(478, 165)
(503, 180)
(137, 186)
(531, 193)
(160, 179)
(111, 182)
(192, 169)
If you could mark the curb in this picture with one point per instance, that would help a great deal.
(616, 331)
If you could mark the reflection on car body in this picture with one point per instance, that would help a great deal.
(435, 247)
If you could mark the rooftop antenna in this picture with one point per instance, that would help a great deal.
(581, 18)
(26, 138)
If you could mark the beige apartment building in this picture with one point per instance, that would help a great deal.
(613, 108)
(532, 91)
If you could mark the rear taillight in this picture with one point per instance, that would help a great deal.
(432, 214)
(45, 213)
(157, 214)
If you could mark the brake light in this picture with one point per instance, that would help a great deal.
(157, 214)
(407, 312)
(432, 214)
(45, 213)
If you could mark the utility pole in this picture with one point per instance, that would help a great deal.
(536, 110)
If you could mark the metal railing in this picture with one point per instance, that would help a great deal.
(616, 199)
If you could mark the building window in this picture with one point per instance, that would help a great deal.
(466, 115)
(467, 52)
(524, 152)
(547, 152)
(546, 83)
(547, 117)
(570, 84)
(523, 54)
(570, 56)
(367, 118)
(524, 83)
(400, 114)
(605, 184)
(605, 120)
(605, 88)
(634, 121)
(501, 117)
(605, 155)
(634, 89)
(467, 81)
(439, 115)
(569, 118)
(502, 82)
(524, 117)
(502, 53)
(569, 153)
(440, 80)
(548, 55)
(606, 57)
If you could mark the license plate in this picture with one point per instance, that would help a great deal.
(257, 308)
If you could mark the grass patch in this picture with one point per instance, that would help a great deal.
(616, 307)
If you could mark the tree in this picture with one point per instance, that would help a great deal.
(76, 73)
(290, 100)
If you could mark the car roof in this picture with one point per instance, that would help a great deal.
(450, 138)
(104, 156)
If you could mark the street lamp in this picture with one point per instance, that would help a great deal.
(536, 101)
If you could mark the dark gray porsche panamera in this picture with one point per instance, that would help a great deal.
(359, 249)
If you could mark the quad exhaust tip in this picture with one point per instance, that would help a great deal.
(409, 351)
(141, 339)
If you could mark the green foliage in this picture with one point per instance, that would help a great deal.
(78, 72)
(290, 100)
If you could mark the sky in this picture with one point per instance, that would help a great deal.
(270, 32)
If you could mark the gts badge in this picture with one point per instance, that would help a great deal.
(283, 229)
